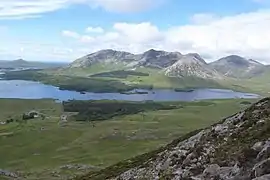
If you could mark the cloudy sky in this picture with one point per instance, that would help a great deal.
(63, 30)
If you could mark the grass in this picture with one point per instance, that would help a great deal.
(122, 74)
(41, 147)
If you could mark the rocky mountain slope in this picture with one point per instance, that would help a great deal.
(151, 58)
(236, 148)
(103, 56)
(238, 67)
(158, 59)
(174, 64)
(191, 65)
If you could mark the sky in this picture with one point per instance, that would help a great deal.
(64, 30)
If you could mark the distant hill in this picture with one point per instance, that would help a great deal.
(238, 67)
(20, 63)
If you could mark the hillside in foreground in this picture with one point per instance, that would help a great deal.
(238, 147)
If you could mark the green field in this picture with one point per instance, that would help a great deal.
(38, 148)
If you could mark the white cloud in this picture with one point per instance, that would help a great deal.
(245, 34)
(87, 39)
(212, 36)
(126, 5)
(139, 33)
(203, 18)
(71, 34)
(94, 30)
(21, 9)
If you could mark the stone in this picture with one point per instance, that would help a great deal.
(215, 171)
(211, 170)
(221, 129)
(262, 168)
(189, 159)
(258, 146)
(264, 177)
(264, 153)
(8, 173)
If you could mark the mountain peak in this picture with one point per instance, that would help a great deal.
(255, 62)
(236, 60)
(197, 57)
(191, 65)
(158, 59)
(20, 61)
(237, 67)
(103, 56)
(153, 53)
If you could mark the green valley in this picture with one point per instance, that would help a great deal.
(52, 149)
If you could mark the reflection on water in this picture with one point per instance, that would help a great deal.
(34, 90)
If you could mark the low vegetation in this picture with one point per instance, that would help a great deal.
(75, 83)
(51, 149)
(119, 74)
(104, 110)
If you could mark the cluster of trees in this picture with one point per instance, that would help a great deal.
(103, 110)
(25, 117)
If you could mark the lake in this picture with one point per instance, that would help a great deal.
(35, 90)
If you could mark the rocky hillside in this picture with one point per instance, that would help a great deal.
(236, 148)
(103, 56)
(191, 65)
(237, 67)
(151, 58)
(158, 59)
(174, 64)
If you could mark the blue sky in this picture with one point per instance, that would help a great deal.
(63, 30)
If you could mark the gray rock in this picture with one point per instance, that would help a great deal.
(220, 128)
(264, 153)
(8, 173)
(264, 177)
(262, 168)
(258, 146)
(211, 170)
(189, 159)
(215, 171)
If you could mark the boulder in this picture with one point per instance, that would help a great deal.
(262, 168)
(264, 177)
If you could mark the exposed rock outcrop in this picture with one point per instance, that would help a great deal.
(191, 65)
(8, 174)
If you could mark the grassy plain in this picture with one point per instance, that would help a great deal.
(38, 148)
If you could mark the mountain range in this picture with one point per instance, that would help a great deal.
(175, 64)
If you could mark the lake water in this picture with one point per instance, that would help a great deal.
(35, 90)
